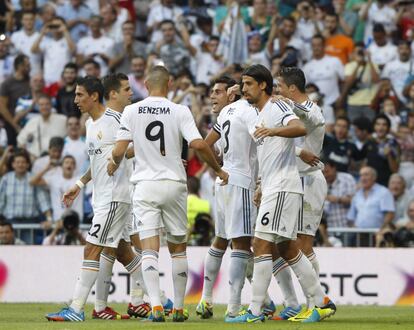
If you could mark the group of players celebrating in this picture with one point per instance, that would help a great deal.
(269, 195)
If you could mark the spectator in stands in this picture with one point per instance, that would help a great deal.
(379, 11)
(337, 44)
(127, 49)
(20, 203)
(400, 71)
(66, 231)
(173, 53)
(404, 236)
(258, 54)
(373, 204)
(35, 136)
(6, 60)
(24, 39)
(258, 19)
(406, 141)
(361, 76)
(385, 91)
(381, 49)
(54, 155)
(96, 46)
(77, 15)
(339, 148)
(112, 28)
(195, 205)
(57, 50)
(92, 68)
(65, 97)
(402, 197)
(324, 71)
(75, 145)
(382, 151)
(46, 15)
(165, 10)
(307, 23)
(137, 77)
(7, 236)
(10, 90)
(362, 129)
(341, 189)
(58, 182)
(347, 19)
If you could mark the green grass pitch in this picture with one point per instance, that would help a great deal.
(31, 317)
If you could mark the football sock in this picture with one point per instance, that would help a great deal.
(179, 274)
(237, 276)
(151, 276)
(314, 261)
(283, 276)
(309, 283)
(212, 265)
(249, 276)
(84, 283)
(262, 274)
(103, 281)
(134, 270)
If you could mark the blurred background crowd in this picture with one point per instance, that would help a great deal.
(357, 55)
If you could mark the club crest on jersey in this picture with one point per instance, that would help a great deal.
(99, 135)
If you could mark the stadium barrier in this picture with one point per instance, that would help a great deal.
(349, 236)
(349, 275)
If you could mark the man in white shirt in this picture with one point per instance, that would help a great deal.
(38, 131)
(399, 70)
(277, 220)
(381, 49)
(75, 145)
(57, 50)
(157, 126)
(24, 39)
(111, 26)
(324, 71)
(96, 46)
(136, 78)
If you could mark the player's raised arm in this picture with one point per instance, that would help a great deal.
(118, 153)
(294, 128)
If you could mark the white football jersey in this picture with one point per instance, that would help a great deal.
(312, 117)
(157, 127)
(276, 155)
(234, 124)
(100, 140)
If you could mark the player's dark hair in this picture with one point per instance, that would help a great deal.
(293, 76)
(19, 60)
(193, 185)
(344, 118)
(384, 117)
(363, 123)
(56, 142)
(228, 81)
(92, 85)
(261, 74)
(112, 82)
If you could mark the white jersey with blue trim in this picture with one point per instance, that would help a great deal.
(234, 124)
(100, 140)
(276, 155)
(312, 117)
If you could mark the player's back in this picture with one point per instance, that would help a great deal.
(239, 149)
(157, 127)
(312, 117)
(100, 139)
(276, 155)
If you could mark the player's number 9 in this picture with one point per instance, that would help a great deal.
(226, 128)
(265, 220)
(158, 136)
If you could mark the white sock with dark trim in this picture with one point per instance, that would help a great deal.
(86, 279)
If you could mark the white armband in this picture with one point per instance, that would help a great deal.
(298, 150)
(80, 184)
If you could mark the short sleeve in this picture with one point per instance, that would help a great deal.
(387, 202)
(352, 212)
(124, 131)
(187, 126)
(286, 113)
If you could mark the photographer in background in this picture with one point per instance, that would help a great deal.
(66, 231)
(359, 88)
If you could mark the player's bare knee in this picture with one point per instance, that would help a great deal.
(136, 242)
(124, 253)
(305, 243)
(220, 243)
(92, 252)
(261, 247)
(176, 243)
(288, 249)
(109, 251)
(241, 243)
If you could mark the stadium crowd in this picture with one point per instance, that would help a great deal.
(358, 57)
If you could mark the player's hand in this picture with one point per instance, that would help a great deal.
(112, 167)
(70, 196)
(276, 98)
(234, 90)
(309, 158)
(224, 176)
(262, 132)
(257, 198)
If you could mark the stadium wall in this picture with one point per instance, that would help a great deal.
(350, 275)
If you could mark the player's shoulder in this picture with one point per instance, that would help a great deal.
(112, 115)
(281, 106)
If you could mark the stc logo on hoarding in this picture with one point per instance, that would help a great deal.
(343, 280)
